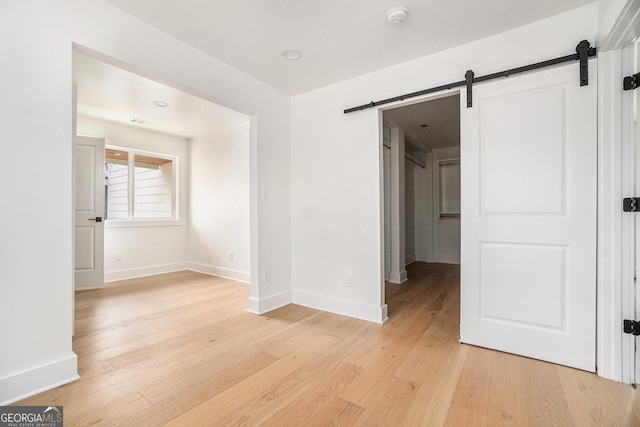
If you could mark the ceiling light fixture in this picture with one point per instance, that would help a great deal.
(291, 54)
(161, 104)
(397, 15)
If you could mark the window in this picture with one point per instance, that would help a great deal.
(139, 186)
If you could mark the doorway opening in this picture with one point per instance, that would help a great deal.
(421, 191)
(193, 217)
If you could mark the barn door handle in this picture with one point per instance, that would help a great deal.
(96, 219)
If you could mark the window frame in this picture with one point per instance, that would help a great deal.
(131, 221)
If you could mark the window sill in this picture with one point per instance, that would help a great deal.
(111, 223)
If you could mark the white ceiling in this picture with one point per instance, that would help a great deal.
(339, 39)
(442, 117)
(110, 93)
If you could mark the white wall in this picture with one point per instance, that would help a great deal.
(386, 165)
(424, 211)
(419, 207)
(434, 239)
(609, 11)
(219, 202)
(144, 250)
(35, 254)
(446, 230)
(337, 221)
(410, 211)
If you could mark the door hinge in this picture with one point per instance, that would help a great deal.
(631, 327)
(631, 204)
(631, 82)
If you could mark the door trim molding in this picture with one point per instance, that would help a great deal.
(625, 28)
(609, 347)
(614, 351)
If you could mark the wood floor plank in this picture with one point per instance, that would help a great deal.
(337, 413)
(259, 389)
(161, 324)
(548, 401)
(108, 414)
(434, 349)
(180, 349)
(431, 404)
(462, 416)
(509, 404)
(582, 390)
(391, 404)
(186, 399)
(305, 409)
(382, 354)
(475, 380)
(184, 373)
(323, 322)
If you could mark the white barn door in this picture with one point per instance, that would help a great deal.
(528, 270)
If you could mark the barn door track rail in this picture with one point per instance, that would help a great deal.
(584, 51)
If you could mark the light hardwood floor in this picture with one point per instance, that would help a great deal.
(179, 349)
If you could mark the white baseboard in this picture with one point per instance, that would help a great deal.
(447, 259)
(112, 276)
(383, 314)
(398, 277)
(227, 273)
(424, 257)
(39, 379)
(409, 260)
(345, 308)
(267, 304)
(240, 276)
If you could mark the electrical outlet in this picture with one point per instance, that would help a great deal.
(267, 276)
(230, 257)
(117, 256)
(349, 281)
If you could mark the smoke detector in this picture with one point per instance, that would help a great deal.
(397, 15)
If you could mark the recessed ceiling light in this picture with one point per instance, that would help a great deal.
(291, 54)
(161, 104)
(397, 15)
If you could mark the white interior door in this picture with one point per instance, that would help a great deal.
(528, 271)
(89, 212)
